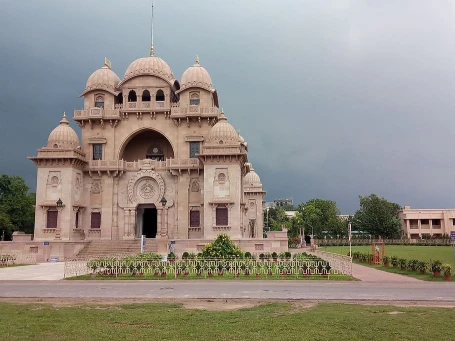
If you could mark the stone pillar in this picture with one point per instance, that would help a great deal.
(133, 223)
(126, 227)
(164, 232)
(431, 226)
(115, 234)
(159, 225)
(419, 224)
(408, 228)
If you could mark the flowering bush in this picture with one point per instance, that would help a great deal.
(222, 247)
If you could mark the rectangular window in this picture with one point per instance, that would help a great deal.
(99, 104)
(195, 101)
(194, 149)
(77, 219)
(195, 219)
(424, 222)
(97, 152)
(96, 220)
(221, 216)
(52, 219)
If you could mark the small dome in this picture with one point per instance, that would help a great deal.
(102, 79)
(150, 66)
(223, 131)
(196, 77)
(63, 137)
(241, 139)
(252, 179)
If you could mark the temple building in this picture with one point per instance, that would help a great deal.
(157, 157)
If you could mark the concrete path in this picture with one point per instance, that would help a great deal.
(367, 274)
(38, 272)
(231, 289)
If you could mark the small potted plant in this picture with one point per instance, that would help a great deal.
(171, 257)
(162, 270)
(436, 267)
(282, 270)
(386, 260)
(220, 268)
(422, 266)
(394, 261)
(282, 256)
(198, 268)
(274, 256)
(447, 271)
(261, 257)
(211, 270)
(287, 255)
(403, 263)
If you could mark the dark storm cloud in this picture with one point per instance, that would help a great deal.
(335, 99)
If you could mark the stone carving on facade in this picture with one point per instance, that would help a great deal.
(221, 183)
(96, 186)
(53, 178)
(146, 186)
(147, 190)
(195, 186)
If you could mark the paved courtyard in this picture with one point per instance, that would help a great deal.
(38, 272)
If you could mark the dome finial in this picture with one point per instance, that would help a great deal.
(107, 62)
(197, 59)
(152, 50)
(64, 120)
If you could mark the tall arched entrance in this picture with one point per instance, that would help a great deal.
(147, 221)
(146, 144)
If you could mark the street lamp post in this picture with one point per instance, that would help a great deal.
(59, 204)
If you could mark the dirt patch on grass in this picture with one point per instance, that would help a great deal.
(216, 304)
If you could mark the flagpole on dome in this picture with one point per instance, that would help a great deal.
(152, 50)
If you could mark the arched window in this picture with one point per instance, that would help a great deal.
(155, 153)
(194, 98)
(132, 96)
(160, 96)
(119, 99)
(146, 96)
(99, 101)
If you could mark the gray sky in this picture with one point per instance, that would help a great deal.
(335, 98)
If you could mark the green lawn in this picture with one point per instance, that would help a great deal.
(425, 253)
(277, 321)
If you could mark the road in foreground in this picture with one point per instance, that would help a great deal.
(206, 289)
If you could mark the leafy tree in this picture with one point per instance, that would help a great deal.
(320, 217)
(16, 206)
(378, 217)
(276, 217)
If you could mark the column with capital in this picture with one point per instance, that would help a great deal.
(159, 226)
(164, 229)
(126, 224)
(115, 234)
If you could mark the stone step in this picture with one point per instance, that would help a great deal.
(98, 248)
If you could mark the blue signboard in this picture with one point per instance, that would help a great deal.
(46, 243)
(452, 236)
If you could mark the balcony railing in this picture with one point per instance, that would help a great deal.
(97, 113)
(122, 166)
(193, 110)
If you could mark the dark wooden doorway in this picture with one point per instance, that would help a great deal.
(150, 222)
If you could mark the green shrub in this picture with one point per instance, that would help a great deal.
(222, 247)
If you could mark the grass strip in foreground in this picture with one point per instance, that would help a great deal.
(277, 321)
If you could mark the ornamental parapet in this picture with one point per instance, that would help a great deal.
(97, 113)
(114, 167)
(193, 110)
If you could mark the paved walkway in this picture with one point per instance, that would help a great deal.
(38, 272)
(367, 274)
(231, 289)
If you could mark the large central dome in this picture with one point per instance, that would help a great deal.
(149, 66)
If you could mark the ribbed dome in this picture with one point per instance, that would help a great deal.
(153, 66)
(223, 131)
(102, 79)
(63, 137)
(196, 77)
(251, 179)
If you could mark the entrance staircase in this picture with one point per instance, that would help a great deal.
(105, 248)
